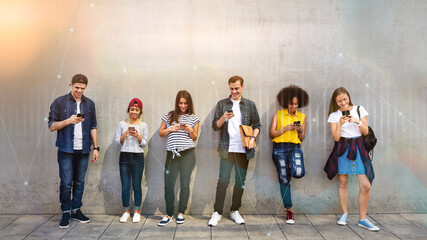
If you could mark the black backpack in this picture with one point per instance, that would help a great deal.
(369, 139)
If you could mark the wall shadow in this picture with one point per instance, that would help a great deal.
(206, 169)
(153, 189)
(109, 182)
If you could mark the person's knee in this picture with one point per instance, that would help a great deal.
(298, 170)
(342, 183)
(366, 187)
(223, 182)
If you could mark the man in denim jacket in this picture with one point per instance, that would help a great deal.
(73, 116)
(230, 113)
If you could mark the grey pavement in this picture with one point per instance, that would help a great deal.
(392, 226)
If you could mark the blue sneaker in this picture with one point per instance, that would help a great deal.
(365, 223)
(165, 221)
(343, 219)
(180, 218)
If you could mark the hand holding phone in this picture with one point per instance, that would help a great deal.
(82, 115)
(230, 111)
(297, 122)
(132, 129)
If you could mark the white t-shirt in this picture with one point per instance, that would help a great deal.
(236, 144)
(349, 130)
(78, 134)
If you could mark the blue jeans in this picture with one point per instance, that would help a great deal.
(240, 164)
(289, 162)
(131, 168)
(72, 171)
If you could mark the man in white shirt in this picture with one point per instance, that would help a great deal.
(230, 113)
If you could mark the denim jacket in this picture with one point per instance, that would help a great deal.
(250, 117)
(62, 108)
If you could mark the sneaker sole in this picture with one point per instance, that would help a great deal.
(239, 223)
(163, 224)
(80, 221)
(370, 229)
(180, 222)
(63, 227)
(290, 222)
(342, 224)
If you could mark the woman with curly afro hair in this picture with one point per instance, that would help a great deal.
(288, 131)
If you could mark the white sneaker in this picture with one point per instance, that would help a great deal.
(124, 217)
(136, 217)
(235, 215)
(216, 217)
(180, 218)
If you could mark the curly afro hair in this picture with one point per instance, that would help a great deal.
(286, 95)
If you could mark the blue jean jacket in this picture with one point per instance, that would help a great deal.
(62, 108)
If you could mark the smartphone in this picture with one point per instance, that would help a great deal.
(182, 124)
(230, 110)
(297, 123)
(346, 113)
(132, 129)
(82, 115)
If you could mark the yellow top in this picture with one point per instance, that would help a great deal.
(283, 119)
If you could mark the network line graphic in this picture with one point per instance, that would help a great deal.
(196, 69)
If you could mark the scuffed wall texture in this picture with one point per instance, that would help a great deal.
(152, 49)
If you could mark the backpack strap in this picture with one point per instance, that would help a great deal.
(358, 112)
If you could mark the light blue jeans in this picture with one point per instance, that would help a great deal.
(289, 162)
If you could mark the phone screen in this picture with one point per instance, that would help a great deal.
(82, 115)
(297, 122)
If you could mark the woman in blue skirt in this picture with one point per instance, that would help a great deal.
(349, 156)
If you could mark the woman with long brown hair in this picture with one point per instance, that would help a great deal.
(181, 127)
(349, 156)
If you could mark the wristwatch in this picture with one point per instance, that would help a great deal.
(96, 148)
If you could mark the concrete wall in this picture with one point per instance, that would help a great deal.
(151, 49)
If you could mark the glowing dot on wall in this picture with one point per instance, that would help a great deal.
(26, 183)
(268, 234)
(314, 119)
(92, 5)
(213, 82)
(125, 70)
(59, 76)
(45, 119)
(340, 54)
(71, 29)
(400, 113)
(194, 67)
(167, 171)
(367, 85)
